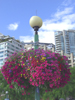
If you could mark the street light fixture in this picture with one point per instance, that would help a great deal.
(36, 23)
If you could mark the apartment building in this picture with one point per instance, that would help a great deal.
(8, 45)
(65, 40)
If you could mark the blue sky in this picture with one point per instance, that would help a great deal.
(55, 14)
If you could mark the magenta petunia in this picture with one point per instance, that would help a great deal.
(37, 67)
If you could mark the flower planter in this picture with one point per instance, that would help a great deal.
(36, 68)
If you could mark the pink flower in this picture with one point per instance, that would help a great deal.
(11, 86)
(32, 83)
(51, 69)
(28, 93)
(22, 93)
(42, 82)
(24, 86)
(45, 90)
(51, 85)
(39, 83)
(21, 85)
(30, 79)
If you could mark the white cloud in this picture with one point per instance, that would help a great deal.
(69, 18)
(61, 20)
(26, 38)
(66, 2)
(67, 10)
(13, 26)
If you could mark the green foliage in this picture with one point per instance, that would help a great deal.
(14, 94)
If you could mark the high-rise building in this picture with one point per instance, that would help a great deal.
(65, 40)
(8, 45)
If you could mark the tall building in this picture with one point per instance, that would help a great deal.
(8, 45)
(65, 40)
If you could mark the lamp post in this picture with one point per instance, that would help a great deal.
(36, 23)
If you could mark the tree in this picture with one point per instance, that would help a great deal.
(15, 94)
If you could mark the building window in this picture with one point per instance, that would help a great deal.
(7, 50)
(5, 43)
(20, 46)
(1, 52)
(12, 45)
(8, 43)
(7, 47)
(1, 47)
(1, 55)
(69, 61)
(6, 54)
(1, 63)
(12, 49)
(17, 48)
(1, 59)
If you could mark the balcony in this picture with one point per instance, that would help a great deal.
(67, 46)
(6, 37)
(67, 42)
(58, 45)
(58, 41)
(68, 49)
(58, 48)
(56, 38)
(67, 36)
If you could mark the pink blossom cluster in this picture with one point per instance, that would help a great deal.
(37, 68)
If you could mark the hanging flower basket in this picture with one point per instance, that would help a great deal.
(33, 68)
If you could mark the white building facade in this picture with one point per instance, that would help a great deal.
(8, 46)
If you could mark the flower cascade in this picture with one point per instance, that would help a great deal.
(36, 68)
